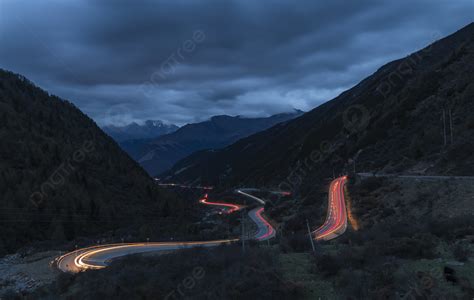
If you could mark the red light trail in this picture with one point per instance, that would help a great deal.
(98, 257)
(336, 219)
(267, 230)
(230, 207)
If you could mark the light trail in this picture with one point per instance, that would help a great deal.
(336, 219)
(251, 196)
(98, 257)
(208, 188)
(265, 229)
(231, 207)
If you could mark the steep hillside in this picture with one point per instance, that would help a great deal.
(150, 129)
(158, 155)
(390, 122)
(60, 176)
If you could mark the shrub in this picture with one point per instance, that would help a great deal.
(421, 246)
(220, 273)
(328, 265)
(461, 252)
(372, 183)
(353, 258)
(299, 242)
(453, 228)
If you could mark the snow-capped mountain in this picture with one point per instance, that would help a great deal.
(150, 129)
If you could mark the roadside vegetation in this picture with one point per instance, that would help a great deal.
(415, 239)
(220, 273)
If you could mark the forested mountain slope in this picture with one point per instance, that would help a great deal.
(60, 175)
(159, 154)
(390, 122)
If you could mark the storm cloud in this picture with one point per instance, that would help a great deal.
(184, 61)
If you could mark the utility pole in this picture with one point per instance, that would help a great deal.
(243, 232)
(451, 125)
(310, 238)
(268, 240)
(444, 126)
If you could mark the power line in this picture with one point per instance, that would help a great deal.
(444, 126)
(451, 125)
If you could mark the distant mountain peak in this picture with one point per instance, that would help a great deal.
(155, 123)
(132, 131)
(158, 155)
(223, 117)
(228, 117)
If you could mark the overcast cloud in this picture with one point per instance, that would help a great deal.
(184, 61)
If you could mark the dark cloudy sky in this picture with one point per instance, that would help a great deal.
(183, 61)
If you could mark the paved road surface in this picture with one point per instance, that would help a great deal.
(241, 191)
(432, 177)
(336, 219)
(99, 256)
(265, 230)
(230, 208)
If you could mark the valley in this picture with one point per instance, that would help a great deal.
(287, 151)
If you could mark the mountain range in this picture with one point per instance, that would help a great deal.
(150, 129)
(61, 177)
(159, 154)
(413, 115)
(65, 184)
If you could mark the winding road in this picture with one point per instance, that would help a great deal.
(265, 230)
(98, 257)
(229, 206)
(241, 191)
(336, 219)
